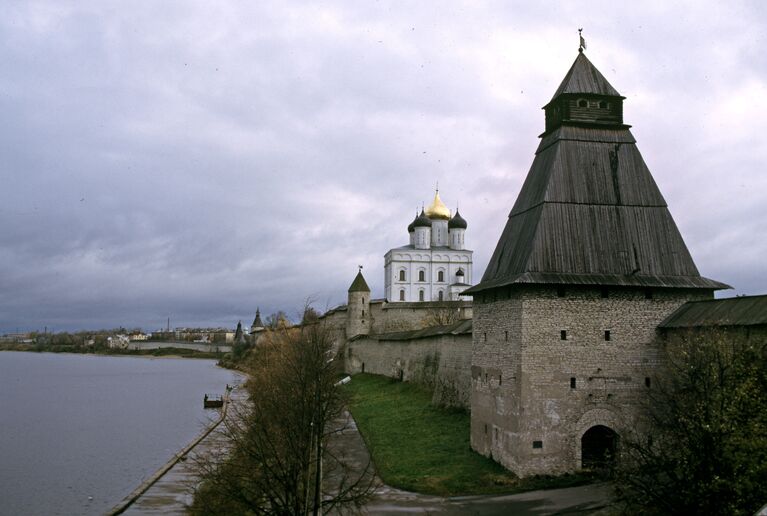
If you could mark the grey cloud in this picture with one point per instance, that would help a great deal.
(199, 160)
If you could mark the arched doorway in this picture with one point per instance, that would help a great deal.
(598, 447)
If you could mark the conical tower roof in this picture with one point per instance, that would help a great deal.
(584, 78)
(589, 211)
(257, 321)
(359, 284)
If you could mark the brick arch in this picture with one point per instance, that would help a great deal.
(594, 417)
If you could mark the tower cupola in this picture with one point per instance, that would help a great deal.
(457, 229)
(422, 227)
(584, 98)
(437, 210)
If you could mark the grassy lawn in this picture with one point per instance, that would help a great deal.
(422, 448)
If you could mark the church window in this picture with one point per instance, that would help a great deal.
(607, 334)
(440, 295)
(537, 445)
(563, 335)
(402, 295)
(583, 103)
(647, 382)
(402, 275)
(572, 383)
(441, 276)
(420, 295)
(421, 276)
(603, 104)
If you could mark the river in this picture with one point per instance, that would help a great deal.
(80, 432)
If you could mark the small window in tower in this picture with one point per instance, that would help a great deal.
(583, 103)
(363, 312)
(572, 383)
(647, 382)
(402, 295)
(605, 292)
(648, 293)
(485, 428)
(421, 276)
(603, 104)
(563, 335)
(441, 276)
(506, 335)
(537, 445)
(607, 334)
(440, 295)
(484, 337)
(402, 275)
(560, 291)
(420, 295)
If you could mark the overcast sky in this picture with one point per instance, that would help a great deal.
(195, 160)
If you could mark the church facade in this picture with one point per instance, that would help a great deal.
(435, 265)
(565, 317)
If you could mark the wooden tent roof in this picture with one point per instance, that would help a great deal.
(584, 78)
(359, 284)
(733, 311)
(590, 213)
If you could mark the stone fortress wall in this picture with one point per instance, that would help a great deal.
(405, 341)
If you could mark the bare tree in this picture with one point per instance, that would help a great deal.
(441, 316)
(279, 439)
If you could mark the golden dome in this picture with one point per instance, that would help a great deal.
(438, 210)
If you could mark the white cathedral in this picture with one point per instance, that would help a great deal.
(435, 265)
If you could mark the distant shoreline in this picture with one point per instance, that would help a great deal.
(169, 352)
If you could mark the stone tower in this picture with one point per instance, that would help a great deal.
(589, 263)
(358, 320)
(258, 325)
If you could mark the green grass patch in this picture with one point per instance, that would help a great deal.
(422, 448)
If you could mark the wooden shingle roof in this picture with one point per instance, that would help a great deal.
(733, 311)
(590, 212)
(359, 284)
(584, 78)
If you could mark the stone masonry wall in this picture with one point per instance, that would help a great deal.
(441, 362)
(534, 394)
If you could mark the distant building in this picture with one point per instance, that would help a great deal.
(435, 265)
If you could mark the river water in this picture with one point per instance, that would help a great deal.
(80, 432)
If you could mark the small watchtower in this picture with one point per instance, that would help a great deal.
(359, 320)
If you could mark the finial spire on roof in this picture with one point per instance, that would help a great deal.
(582, 46)
(437, 187)
(360, 268)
